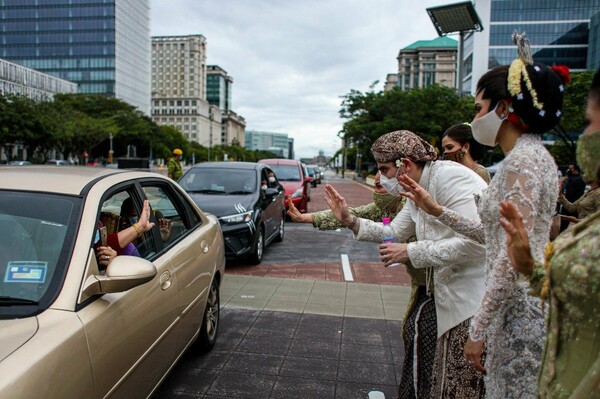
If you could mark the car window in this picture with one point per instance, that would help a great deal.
(117, 213)
(219, 181)
(169, 218)
(287, 172)
(34, 245)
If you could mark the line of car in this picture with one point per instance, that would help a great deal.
(68, 328)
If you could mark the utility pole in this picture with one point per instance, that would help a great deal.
(344, 159)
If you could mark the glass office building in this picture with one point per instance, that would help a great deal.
(218, 87)
(558, 33)
(102, 45)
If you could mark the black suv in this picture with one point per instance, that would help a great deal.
(251, 208)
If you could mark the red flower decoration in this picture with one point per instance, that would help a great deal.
(563, 72)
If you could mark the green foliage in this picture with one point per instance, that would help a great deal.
(427, 112)
(77, 123)
(573, 118)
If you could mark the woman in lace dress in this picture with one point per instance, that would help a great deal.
(514, 105)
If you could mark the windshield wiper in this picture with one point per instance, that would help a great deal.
(206, 191)
(8, 301)
(240, 192)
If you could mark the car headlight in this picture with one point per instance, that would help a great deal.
(239, 218)
(298, 193)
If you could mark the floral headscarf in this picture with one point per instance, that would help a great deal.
(402, 144)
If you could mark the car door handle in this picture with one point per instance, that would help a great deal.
(204, 246)
(165, 280)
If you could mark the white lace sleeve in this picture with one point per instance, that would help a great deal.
(462, 224)
(524, 184)
(402, 225)
(442, 253)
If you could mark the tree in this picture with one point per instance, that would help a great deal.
(427, 112)
(573, 117)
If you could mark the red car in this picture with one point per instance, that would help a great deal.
(294, 180)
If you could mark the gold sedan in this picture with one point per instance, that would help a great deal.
(87, 309)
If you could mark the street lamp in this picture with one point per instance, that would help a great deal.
(457, 17)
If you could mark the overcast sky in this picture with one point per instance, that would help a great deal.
(291, 60)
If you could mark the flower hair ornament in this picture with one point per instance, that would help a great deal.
(399, 162)
(518, 70)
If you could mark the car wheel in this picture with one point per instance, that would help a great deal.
(279, 237)
(210, 323)
(259, 248)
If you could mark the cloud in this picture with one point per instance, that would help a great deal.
(291, 60)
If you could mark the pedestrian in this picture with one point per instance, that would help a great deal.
(386, 205)
(515, 104)
(455, 262)
(585, 204)
(174, 165)
(460, 146)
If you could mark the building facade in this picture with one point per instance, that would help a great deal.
(218, 87)
(179, 88)
(558, 33)
(19, 80)
(426, 62)
(103, 46)
(277, 143)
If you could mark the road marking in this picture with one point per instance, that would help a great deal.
(346, 268)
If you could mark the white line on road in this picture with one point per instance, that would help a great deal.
(346, 268)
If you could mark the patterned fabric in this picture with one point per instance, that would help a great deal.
(483, 173)
(586, 205)
(325, 220)
(174, 168)
(419, 337)
(510, 320)
(402, 144)
(453, 377)
(571, 365)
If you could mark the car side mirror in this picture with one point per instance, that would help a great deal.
(308, 179)
(123, 273)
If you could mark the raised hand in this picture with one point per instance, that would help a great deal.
(295, 214)
(144, 220)
(419, 195)
(517, 241)
(338, 205)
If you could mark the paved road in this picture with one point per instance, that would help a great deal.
(293, 327)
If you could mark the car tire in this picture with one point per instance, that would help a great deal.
(210, 322)
(259, 248)
(281, 233)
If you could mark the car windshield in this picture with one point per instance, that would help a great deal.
(34, 242)
(219, 181)
(286, 172)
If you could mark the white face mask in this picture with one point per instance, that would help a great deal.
(391, 185)
(264, 187)
(485, 129)
(271, 179)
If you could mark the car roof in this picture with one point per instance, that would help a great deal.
(68, 180)
(229, 165)
(279, 161)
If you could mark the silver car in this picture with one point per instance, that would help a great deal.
(69, 329)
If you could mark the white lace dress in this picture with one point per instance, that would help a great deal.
(511, 321)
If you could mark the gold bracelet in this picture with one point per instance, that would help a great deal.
(137, 229)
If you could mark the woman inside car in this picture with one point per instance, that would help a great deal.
(121, 243)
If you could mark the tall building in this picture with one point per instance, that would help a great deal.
(179, 88)
(426, 62)
(218, 93)
(558, 32)
(277, 143)
(103, 46)
(218, 87)
(593, 60)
